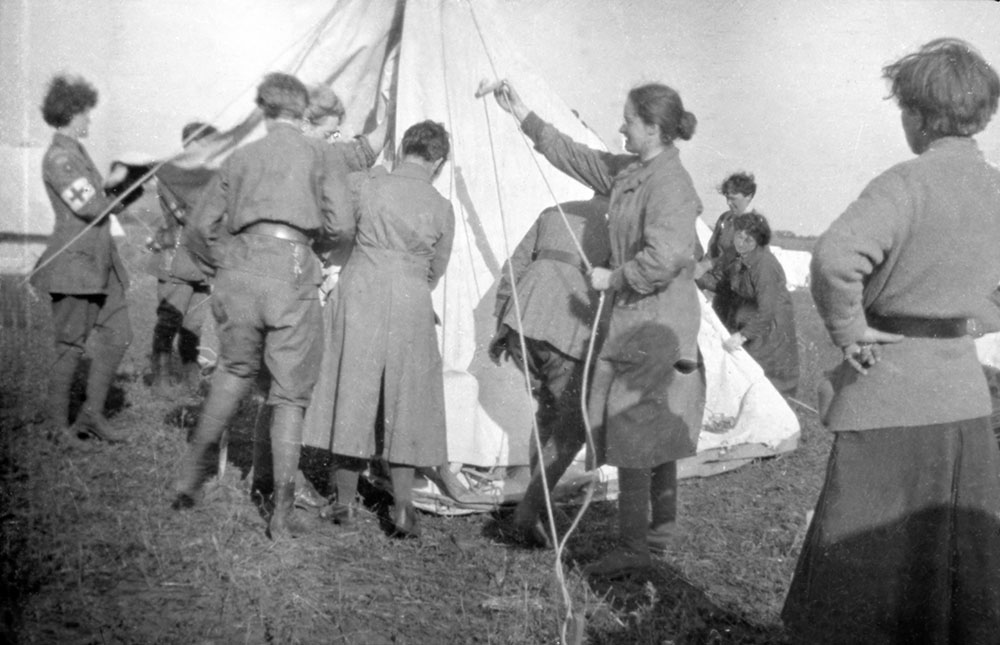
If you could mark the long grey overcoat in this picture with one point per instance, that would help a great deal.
(383, 327)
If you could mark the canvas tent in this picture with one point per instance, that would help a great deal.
(434, 55)
(429, 56)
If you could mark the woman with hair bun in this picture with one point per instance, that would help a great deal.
(648, 390)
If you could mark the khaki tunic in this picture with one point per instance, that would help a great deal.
(383, 330)
(556, 302)
(647, 397)
(76, 191)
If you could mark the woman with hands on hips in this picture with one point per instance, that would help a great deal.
(648, 387)
(904, 546)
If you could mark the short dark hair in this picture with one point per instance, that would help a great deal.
(949, 84)
(426, 139)
(657, 104)
(739, 182)
(282, 95)
(323, 102)
(66, 97)
(755, 225)
(195, 130)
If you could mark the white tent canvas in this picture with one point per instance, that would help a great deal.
(498, 185)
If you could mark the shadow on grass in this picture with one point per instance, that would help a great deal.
(662, 606)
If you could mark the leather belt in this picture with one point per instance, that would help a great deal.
(280, 231)
(566, 257)
(920, 327)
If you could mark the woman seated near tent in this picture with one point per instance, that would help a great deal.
(648, 391)
(739, 190)
(759, 315)
(387, 386)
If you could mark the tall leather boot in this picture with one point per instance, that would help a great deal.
(633, 521)
(161, 375)
(530, 520)
(60, 384)
(286, 445)
(103, 367)
(262, 482)
(224, 397)
(663, 498)
(187, 348)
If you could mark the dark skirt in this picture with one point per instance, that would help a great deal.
(904, 546)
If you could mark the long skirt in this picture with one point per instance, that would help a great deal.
(904, 546)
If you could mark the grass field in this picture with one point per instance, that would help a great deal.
(92, 553)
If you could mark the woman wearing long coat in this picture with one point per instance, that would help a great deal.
(647, 396)
(387, 365)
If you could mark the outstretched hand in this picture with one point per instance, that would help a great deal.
(508, 99)
(866, 351)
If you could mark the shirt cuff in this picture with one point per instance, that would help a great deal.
(617, 279)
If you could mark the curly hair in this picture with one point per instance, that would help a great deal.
(949, 84)
(426, 139)
(66, 97)
(755, 225)
(323, 102)
(282, 95)
(658, 104)
(742, 183)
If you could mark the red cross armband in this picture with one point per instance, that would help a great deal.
(78, 193)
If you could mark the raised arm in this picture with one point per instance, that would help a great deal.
(593, 168)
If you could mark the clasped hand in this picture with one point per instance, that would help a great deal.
(866, 351)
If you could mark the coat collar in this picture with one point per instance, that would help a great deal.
(64, 141)
(412, 171)
(634, 174)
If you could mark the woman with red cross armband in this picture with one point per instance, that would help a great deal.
(80, 269)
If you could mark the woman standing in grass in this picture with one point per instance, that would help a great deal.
(387, 384)
(80, 269)
(648, 389)
(904, 546)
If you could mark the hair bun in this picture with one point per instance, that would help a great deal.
(687, 125)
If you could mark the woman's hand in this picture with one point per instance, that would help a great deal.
(600, 278)
(866, 351)
(734, 342)
(508, 99)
